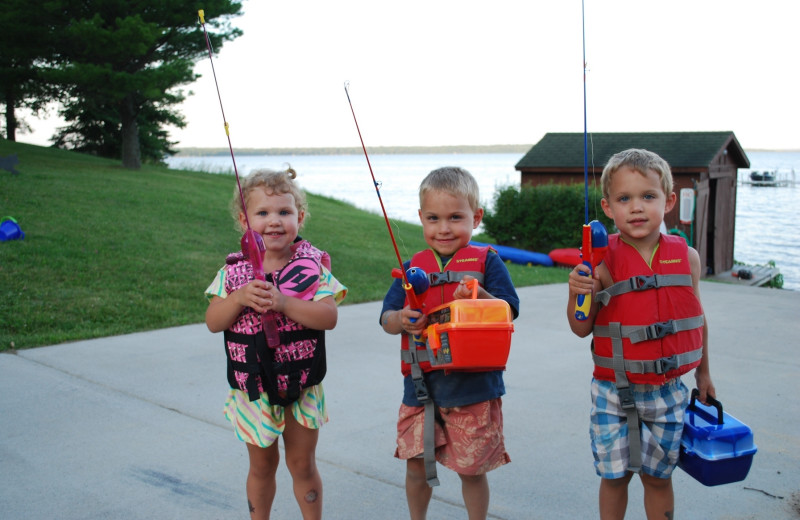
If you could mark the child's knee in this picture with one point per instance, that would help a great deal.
(263, 461)
(656, 483)
(618, 482)
(301, 466)
(472, 479)
(415, 469)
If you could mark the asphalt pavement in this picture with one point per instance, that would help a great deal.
(131, 427)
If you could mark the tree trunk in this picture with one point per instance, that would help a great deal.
(131, 154)
(11, 119)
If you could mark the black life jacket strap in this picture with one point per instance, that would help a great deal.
(250, 366)
(269, 369)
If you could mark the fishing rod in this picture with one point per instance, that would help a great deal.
(594, 237)
(415, 280)
(252, 243)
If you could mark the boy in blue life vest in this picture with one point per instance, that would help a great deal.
(464, 409)
(648, 329)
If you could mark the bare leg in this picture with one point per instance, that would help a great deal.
(475, 489)
(614, 497)
(301, 446)
(659, 500)
(418, 492)
(261, 480)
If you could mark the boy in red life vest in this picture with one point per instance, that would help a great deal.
(646, 316)
(464, 409)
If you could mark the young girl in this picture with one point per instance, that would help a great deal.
(276, 388)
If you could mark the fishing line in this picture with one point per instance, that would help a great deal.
(201, 14)
(594, 237)
(377, 186)
(585, 144)
(252, 243)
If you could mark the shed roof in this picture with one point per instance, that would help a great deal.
(679, 149)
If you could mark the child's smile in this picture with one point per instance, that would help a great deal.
(276, 218)
(637, 203)
(447, 222)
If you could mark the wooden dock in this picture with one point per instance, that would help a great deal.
(762, 275)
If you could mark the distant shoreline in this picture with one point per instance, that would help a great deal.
(387, 150)
(494, 148)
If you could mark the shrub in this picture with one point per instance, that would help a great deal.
(542, 218)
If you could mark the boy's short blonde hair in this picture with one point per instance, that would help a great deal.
(641, 161)
(453, 180)
(271, 181)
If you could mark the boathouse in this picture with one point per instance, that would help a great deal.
(706, 162)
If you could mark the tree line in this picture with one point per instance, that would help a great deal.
(387, 150)
(114, 68)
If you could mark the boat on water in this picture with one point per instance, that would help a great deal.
(762, 177)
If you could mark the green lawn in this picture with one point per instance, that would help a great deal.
(111, 251)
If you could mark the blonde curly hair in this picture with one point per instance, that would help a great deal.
(271, 181)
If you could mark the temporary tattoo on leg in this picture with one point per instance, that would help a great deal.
(250, 505)
(668, 515)
(311, 496)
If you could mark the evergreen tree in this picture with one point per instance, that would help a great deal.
(120, 65)
(24, 49)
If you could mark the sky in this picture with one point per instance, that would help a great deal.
(465, 72)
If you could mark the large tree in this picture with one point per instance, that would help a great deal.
(121, 65)
(24, 49)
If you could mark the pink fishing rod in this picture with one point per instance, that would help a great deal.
(252, 243)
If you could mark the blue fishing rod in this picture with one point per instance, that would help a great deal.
(594, 238)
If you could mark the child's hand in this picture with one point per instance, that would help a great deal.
(257, 295)
(464, 289)
(413, 322)
(704, 386)
(581, 283)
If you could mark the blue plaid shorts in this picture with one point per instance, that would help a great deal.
(661, 410)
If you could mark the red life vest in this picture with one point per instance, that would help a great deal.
(469, 260)
(651, 316)
(299, 360)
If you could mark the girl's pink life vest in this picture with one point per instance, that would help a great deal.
(650, 319)
(469, 260)
(299, 360)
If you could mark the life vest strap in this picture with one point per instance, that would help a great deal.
(643, 283)
(412, 356)
(626, 401)
(268, 368)
(652, 366)
(444, 277)
(639, 333)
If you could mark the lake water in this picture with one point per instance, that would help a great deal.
(764, 215)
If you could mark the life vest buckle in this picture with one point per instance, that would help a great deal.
(642, 282)
(660, 330)
(439, 278)
(664, 365)
(626, 398)
(420, 389)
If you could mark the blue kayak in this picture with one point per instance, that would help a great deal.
(518, 256)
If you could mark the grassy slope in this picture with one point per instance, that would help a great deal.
(111, 251)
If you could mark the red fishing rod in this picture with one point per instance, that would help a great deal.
(415, 280)
(253, 246)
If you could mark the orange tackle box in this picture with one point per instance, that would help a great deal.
(470, 334)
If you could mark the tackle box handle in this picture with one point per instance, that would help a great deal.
(713, 402)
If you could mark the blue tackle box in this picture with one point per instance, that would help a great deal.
(716, 448)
